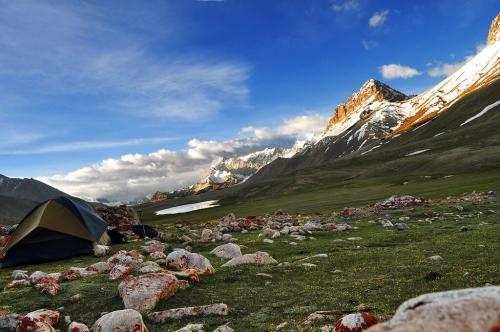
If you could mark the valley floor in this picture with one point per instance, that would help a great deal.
(377, 268)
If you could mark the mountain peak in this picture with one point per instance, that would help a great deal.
(371, 91)
(494, 33)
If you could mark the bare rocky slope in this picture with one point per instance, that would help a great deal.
(19, 196)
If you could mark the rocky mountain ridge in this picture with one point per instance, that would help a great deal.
(376, 113)
(18, 196)
(365, 120)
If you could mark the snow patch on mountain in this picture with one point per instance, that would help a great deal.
(483, 112)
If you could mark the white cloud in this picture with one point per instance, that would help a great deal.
(446, 69)
(137, 175)
(368, 44)
(378, 18)
(344, 6)
(71, 48)
(393, 71)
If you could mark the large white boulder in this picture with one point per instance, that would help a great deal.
(181, 259)
(228, 250)
(144, 292)
(471, 310)
(127, 320)
(41, 320)
(258, 258)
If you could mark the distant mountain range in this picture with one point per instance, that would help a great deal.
(19, 196)
(367, 120)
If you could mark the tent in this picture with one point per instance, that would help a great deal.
(56, 229)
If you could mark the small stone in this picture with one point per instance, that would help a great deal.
(401, 226)
(191, 328)
(78, 327)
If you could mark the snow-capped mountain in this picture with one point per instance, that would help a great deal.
(241, 167)
(377, 112)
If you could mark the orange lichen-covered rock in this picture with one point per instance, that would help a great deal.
(356, 322)
(181, 259)
(144, 292)
(38, 321)
(220, 309)
(78, 327)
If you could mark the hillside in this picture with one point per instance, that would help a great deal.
(19, 196)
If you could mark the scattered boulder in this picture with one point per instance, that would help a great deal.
(18, 284)
(471, 310)
(36, 276)
(269, 233)
(101, 250)
(402, 226)
(41, 320)
(396, 202)
(19, 274)
(127, 320)
(219, 309)
(224, 328)
(131, 259)
(318, 317)
(258, 258)
(386, 223)
(150, 267)
(347, 212)
(119, 272)
(206, 235)
(144, 292)
(312, 226)
(121, 217)
(228, 250)
(191, 328)
(436, 258)
(153, 246)
(99, 267)
(158, 255)
(48, 287)
(356, 322)
(181, 259)
(78, 327)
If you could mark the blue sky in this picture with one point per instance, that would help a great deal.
(85, 82)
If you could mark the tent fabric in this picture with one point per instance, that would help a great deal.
(92, 221)
(55, 229)
(57, 246)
